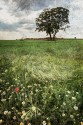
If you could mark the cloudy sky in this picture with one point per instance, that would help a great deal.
(17, 18)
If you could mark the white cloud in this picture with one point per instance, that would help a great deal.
(9, 14)
(5, 16)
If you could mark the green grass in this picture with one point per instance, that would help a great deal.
(59, 47)
(51, 70)
(45, 59)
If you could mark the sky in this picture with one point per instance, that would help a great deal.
(17, 18)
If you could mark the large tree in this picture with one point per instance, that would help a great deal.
(53, 20)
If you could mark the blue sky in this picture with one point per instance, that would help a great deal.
(17, 18)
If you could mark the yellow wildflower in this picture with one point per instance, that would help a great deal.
(29, 124)
(49, 123)
(81, 123)
(21, 123)
(1, 121)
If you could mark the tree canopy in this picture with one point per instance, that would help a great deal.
(53, 20)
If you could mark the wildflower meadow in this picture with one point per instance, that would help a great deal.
(43, 86)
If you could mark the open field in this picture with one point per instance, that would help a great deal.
(56, 59)
(64, 56)
(59, 47)
(48, 74)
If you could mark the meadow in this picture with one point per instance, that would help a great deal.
(41, 82)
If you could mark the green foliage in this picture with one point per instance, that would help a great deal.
(52, 20)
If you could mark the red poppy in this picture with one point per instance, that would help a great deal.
(17, 89)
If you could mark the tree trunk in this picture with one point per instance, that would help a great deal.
(54, 37)
(50, 37)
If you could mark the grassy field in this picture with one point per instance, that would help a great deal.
(56, 48)
(56, 59)
(54, 69)
(45, 60)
